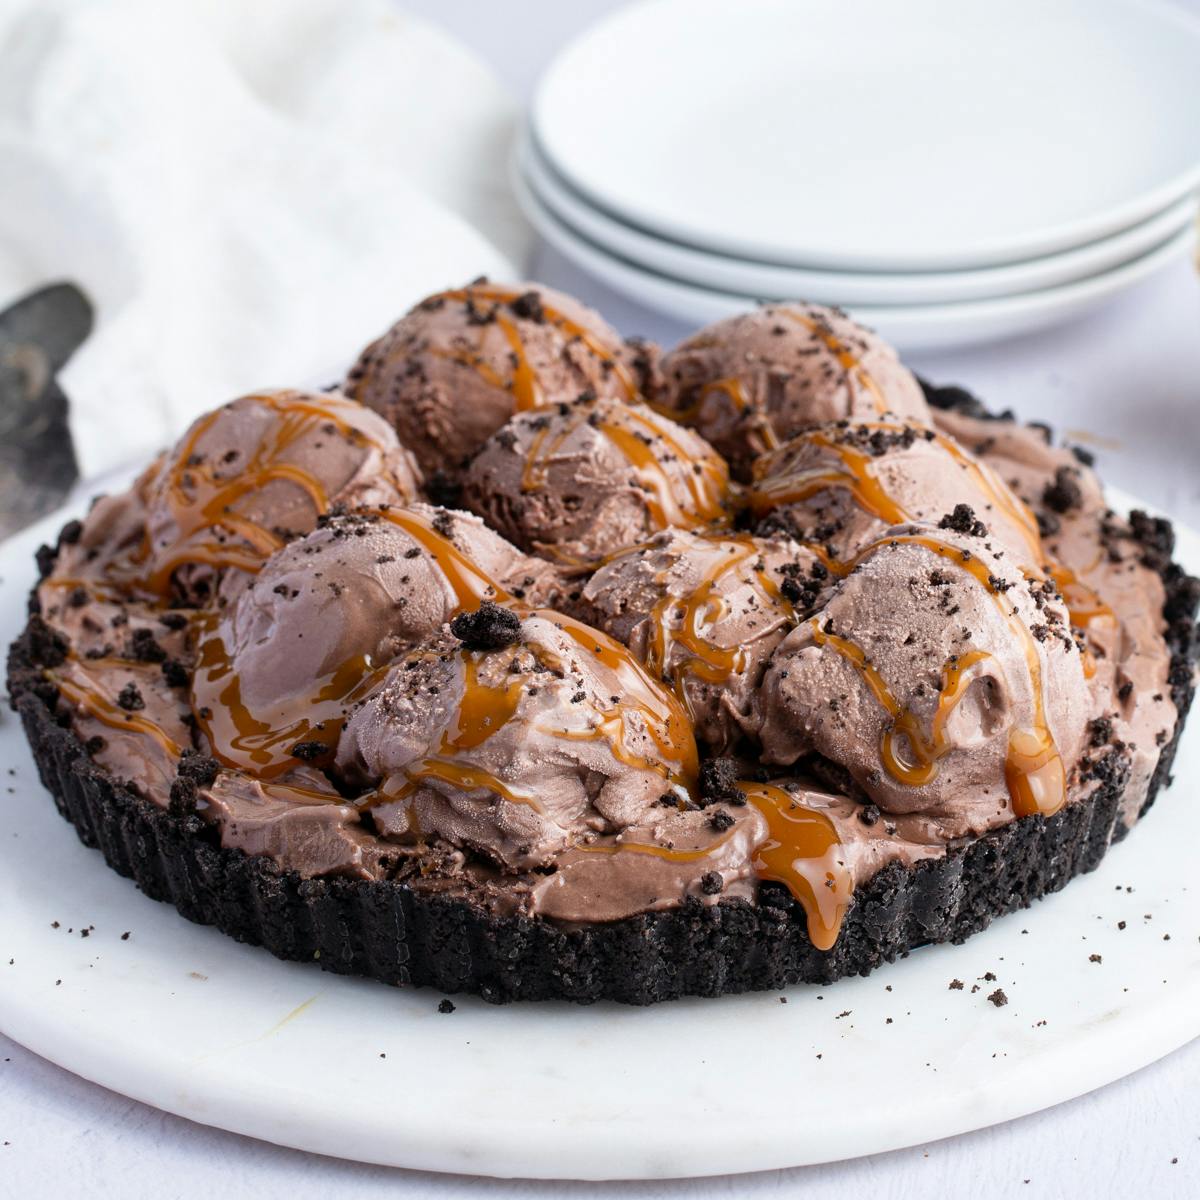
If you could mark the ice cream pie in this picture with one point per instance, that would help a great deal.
(537, 663)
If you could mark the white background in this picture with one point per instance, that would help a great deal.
(1125, 381)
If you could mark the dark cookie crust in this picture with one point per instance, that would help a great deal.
(387, 931)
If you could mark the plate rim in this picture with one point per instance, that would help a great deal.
(1036, 243)
(967, 285)
(910, 326)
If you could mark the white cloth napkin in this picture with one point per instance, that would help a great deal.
(248, 191)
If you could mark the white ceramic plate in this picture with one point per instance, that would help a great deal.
(190, 1021)
(910, 327)
(766, 280)
(873, 135)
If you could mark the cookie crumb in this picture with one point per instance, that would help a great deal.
(489, 627)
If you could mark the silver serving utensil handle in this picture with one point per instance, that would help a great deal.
(37, 459)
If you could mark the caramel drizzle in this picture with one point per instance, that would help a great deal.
(1034, 771)
(93, 587)
(847, 359)
(202, 506)
(855, 475)
(260, 742)
(677, 621)
(525, 385)
(1083, 602)
(734, 390)
(801, 851)
(705, 479)
(482, 711)
(470, 584)
(485, 709)
(665, 719)
(925, 751)
(667, 853)
(93, 702)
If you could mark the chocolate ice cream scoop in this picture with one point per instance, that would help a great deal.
(750, 382)
(520, 751)
(581, 481)
(1112, 591)
(938, 677)
(839, 486)
(454, 369)
(296, 646)
(704, 613)
(245, 479)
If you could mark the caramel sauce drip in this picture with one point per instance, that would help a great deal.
(93, 702)
(667, 853)
(853, 474)
(919, 767)
(704, 480)
(294, 793)
(69, 583)
(801, 851)
(1001, 496)
(679, 621)
(665, 719)
(524, 384)
(467, 778)
(526, 387)
(471, 584)
(259, 741)
(203, 506)
(482, 711)
(1083, 603)
(1034, 770)
(485, 709)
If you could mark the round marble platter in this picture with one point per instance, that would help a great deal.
(1096, 981)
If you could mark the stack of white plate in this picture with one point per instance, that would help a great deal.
(948, 170)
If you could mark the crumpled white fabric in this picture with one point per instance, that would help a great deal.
(247, 191)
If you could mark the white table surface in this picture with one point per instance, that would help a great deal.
(1126, 382)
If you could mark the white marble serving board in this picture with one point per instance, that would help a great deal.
(189, 1021)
